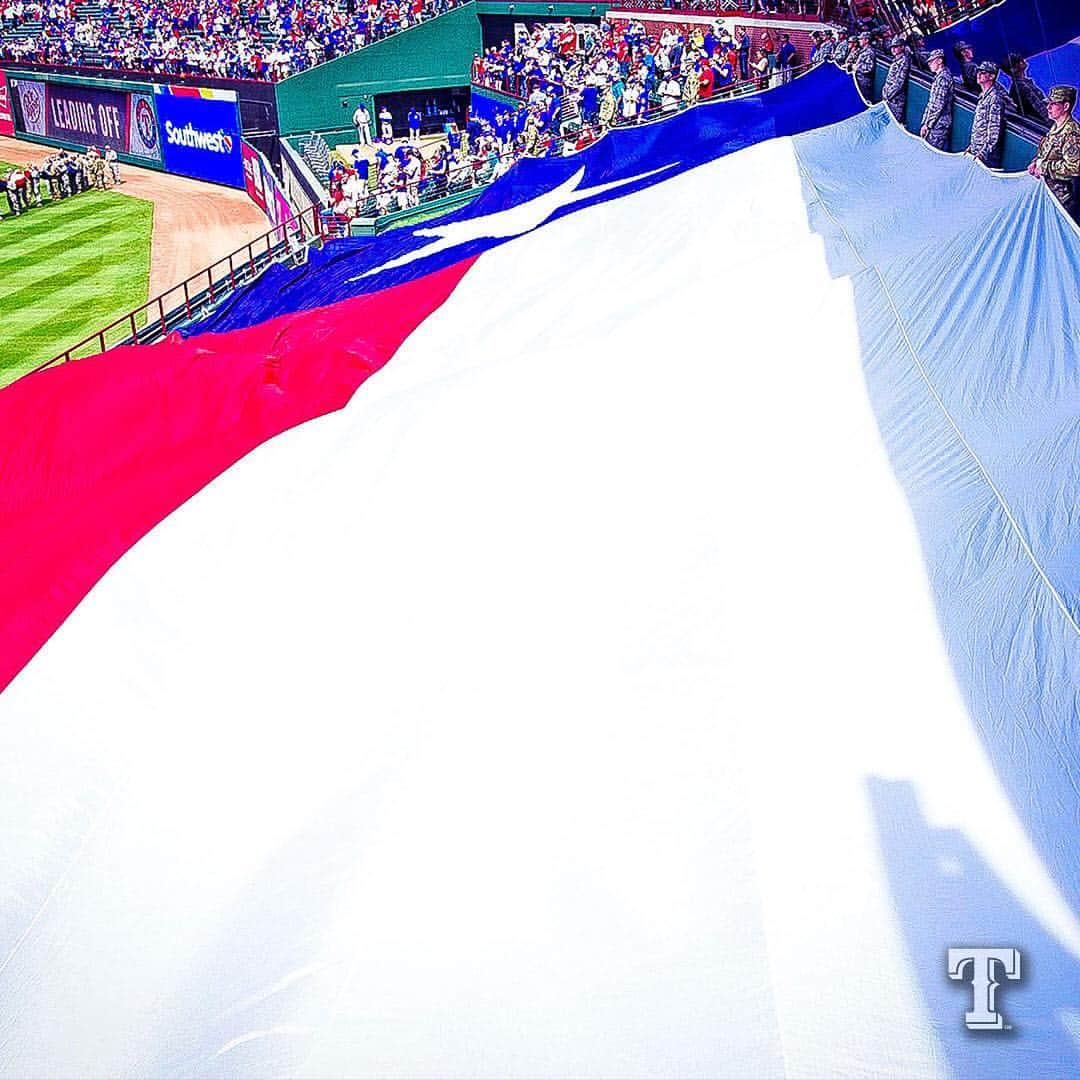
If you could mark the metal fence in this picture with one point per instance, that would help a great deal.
(198, 294)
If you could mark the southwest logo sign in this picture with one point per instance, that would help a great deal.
(219, 142)
(200, 133)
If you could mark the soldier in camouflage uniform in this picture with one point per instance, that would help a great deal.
(1058, 159)
(864, 67)
(988, 126)
(969, 70)
(1027, 98)
(95, 169)
(936, 126)
(919, 58)
(894, 92)
(842, 51)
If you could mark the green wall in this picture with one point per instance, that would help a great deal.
(434, 55)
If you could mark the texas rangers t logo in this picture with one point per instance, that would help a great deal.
(984, 1015)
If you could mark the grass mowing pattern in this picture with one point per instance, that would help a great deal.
(66, 270)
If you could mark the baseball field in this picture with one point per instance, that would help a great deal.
(68, 268)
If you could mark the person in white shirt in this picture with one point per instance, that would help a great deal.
(355, 191)
(113, 164)
(670, 93)
(386, 124)
(362, 121)
(412, 178)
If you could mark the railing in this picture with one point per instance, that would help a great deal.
(199, 293)
(515, 84)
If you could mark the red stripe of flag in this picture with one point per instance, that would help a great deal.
(98, 451)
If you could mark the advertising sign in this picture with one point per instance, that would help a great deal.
(283, 211)
(143, 138)
(85, 114)
(253, 177)
(200, 133)
(31, 95)
(7, 119)
(89, 115)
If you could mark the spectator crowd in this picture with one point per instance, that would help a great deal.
(571, 83)
(600, 76)
(244, 39)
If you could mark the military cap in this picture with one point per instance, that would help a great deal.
(1012, 62)
(988, 67)
(897, 41)
(936, 54)
(960, 46)
(865, 35)
(1062, 95)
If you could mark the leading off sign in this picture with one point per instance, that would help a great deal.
(200, 133)
(89, 116)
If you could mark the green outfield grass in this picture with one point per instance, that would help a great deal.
(66, 270)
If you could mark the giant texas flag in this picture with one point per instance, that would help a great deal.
(647, 646)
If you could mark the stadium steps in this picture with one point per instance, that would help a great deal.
(316, 152)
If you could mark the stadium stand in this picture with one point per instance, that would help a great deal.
(249, 39)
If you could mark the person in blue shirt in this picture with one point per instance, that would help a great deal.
(722, 73)
(677, 55)
(590, 104)
(787, 57)
(744, 55)
(360, 165)
(414, 126)
(438, 169)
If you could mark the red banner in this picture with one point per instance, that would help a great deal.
(7, 120)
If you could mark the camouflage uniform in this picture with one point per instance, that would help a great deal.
(95, 168)
(841, 52)
(1058, 158)
(988, 127)
(894, 93)
(937, 119)
(968, 70)
(1029, 100)
(865, 65)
